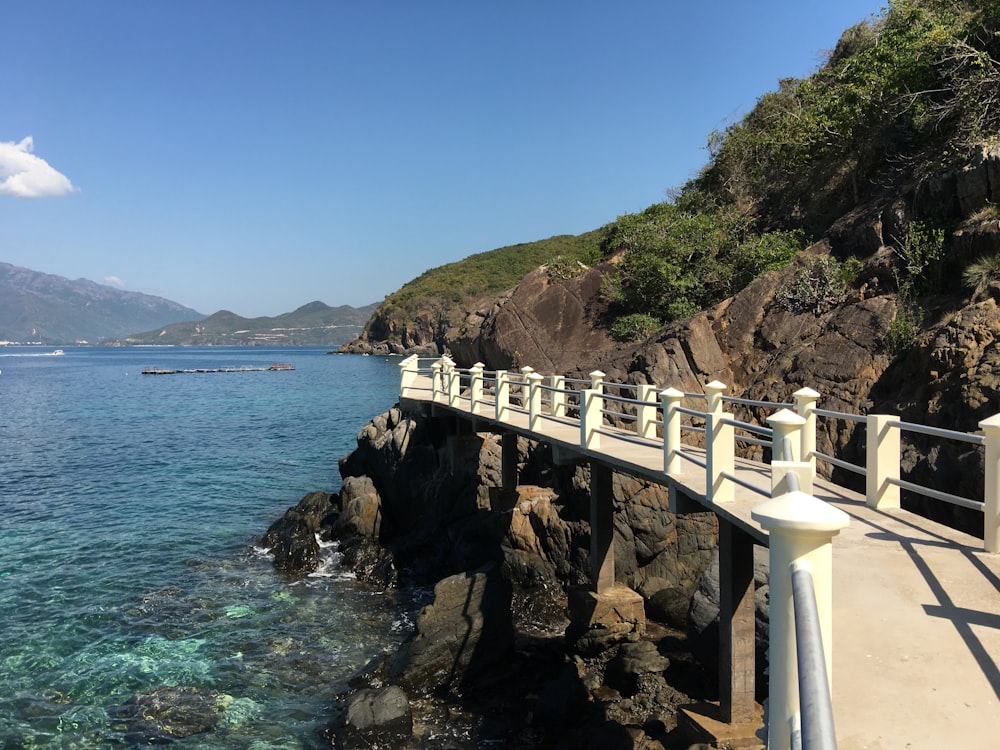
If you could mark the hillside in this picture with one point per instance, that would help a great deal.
(49, 309)
(418, 316)
(313, 324)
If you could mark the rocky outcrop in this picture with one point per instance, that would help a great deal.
(294, 538)
(550, 323)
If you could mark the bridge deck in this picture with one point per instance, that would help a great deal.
(916, 605)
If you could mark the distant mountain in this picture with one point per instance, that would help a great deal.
(314, 324)
(41, 307)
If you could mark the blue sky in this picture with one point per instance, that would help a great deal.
(255, 155)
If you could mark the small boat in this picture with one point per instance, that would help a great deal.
(280, 366)
(58, 352)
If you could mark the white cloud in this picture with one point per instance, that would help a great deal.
(25, 175)
(114, 281)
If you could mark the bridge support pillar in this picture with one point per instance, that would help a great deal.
(615, 608)
(602, 528)
(508, 471)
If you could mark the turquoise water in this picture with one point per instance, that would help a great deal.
(131, 505)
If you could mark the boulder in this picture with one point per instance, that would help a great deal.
(292, 538)
(465, 632)
(378, 718)
(631, 662)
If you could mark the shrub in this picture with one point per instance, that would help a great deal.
(819, 285)
(634, 327)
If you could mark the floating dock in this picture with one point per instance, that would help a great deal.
(276, 366)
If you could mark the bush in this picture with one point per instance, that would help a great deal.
(819, 286)
(634, 327)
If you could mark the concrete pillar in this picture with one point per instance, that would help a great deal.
(407, 374)
(805, 407)
(535, 401)
(454, 378)
(786, 429)
(991, 489)
(437, 383)
(475, 387)
(597, 380)
(737, 625)
(502, 396)
(645, 423)
(591, 418)
(882, 463)
(720, 446)
(602, 528)
(508, 469)
(801, 530)
(558, 383)
(525, 372)
(671, 400)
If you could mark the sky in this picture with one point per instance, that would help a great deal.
(257, 155)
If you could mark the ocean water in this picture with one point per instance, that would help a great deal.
(130, 507)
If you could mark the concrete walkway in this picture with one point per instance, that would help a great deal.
(916, 605)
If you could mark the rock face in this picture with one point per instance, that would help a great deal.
(549, 323)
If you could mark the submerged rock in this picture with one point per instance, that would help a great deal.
(172, 712)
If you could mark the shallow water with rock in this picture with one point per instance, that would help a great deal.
(135, 606)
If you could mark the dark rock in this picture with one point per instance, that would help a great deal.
(378, 717)
(632, 661)
(463, 634)
(670, 606)
(169, 713)
(292, 541)
(361, 510)
(292, 538)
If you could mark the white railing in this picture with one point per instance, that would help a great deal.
(658, 417)
(800, 527)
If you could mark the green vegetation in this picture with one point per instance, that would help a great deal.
(634, 327)
(981, 273)
(903, 94)
(681, 258)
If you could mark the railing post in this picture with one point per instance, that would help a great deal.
(408, 371)
(805, 406)
(801, 530)
(475, 387)
(786, 428)
(535, 401)
(597, 380)
(591, 418)
(671, 400)
(436, 379)
(645, 424)
(454, 387)
(720, 446)
(882, 463)
(502, 395)
(991, 490)
(558, 383)
(525, 372)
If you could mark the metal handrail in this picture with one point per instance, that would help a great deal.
(815, 703)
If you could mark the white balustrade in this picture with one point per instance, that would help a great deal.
(720, 447)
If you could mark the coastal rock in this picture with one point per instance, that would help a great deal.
(378, 718)
(361, 510)
(165, 714)
(632, 661)
(464, 634)
(292, 539)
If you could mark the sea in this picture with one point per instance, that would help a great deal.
(131, 508)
